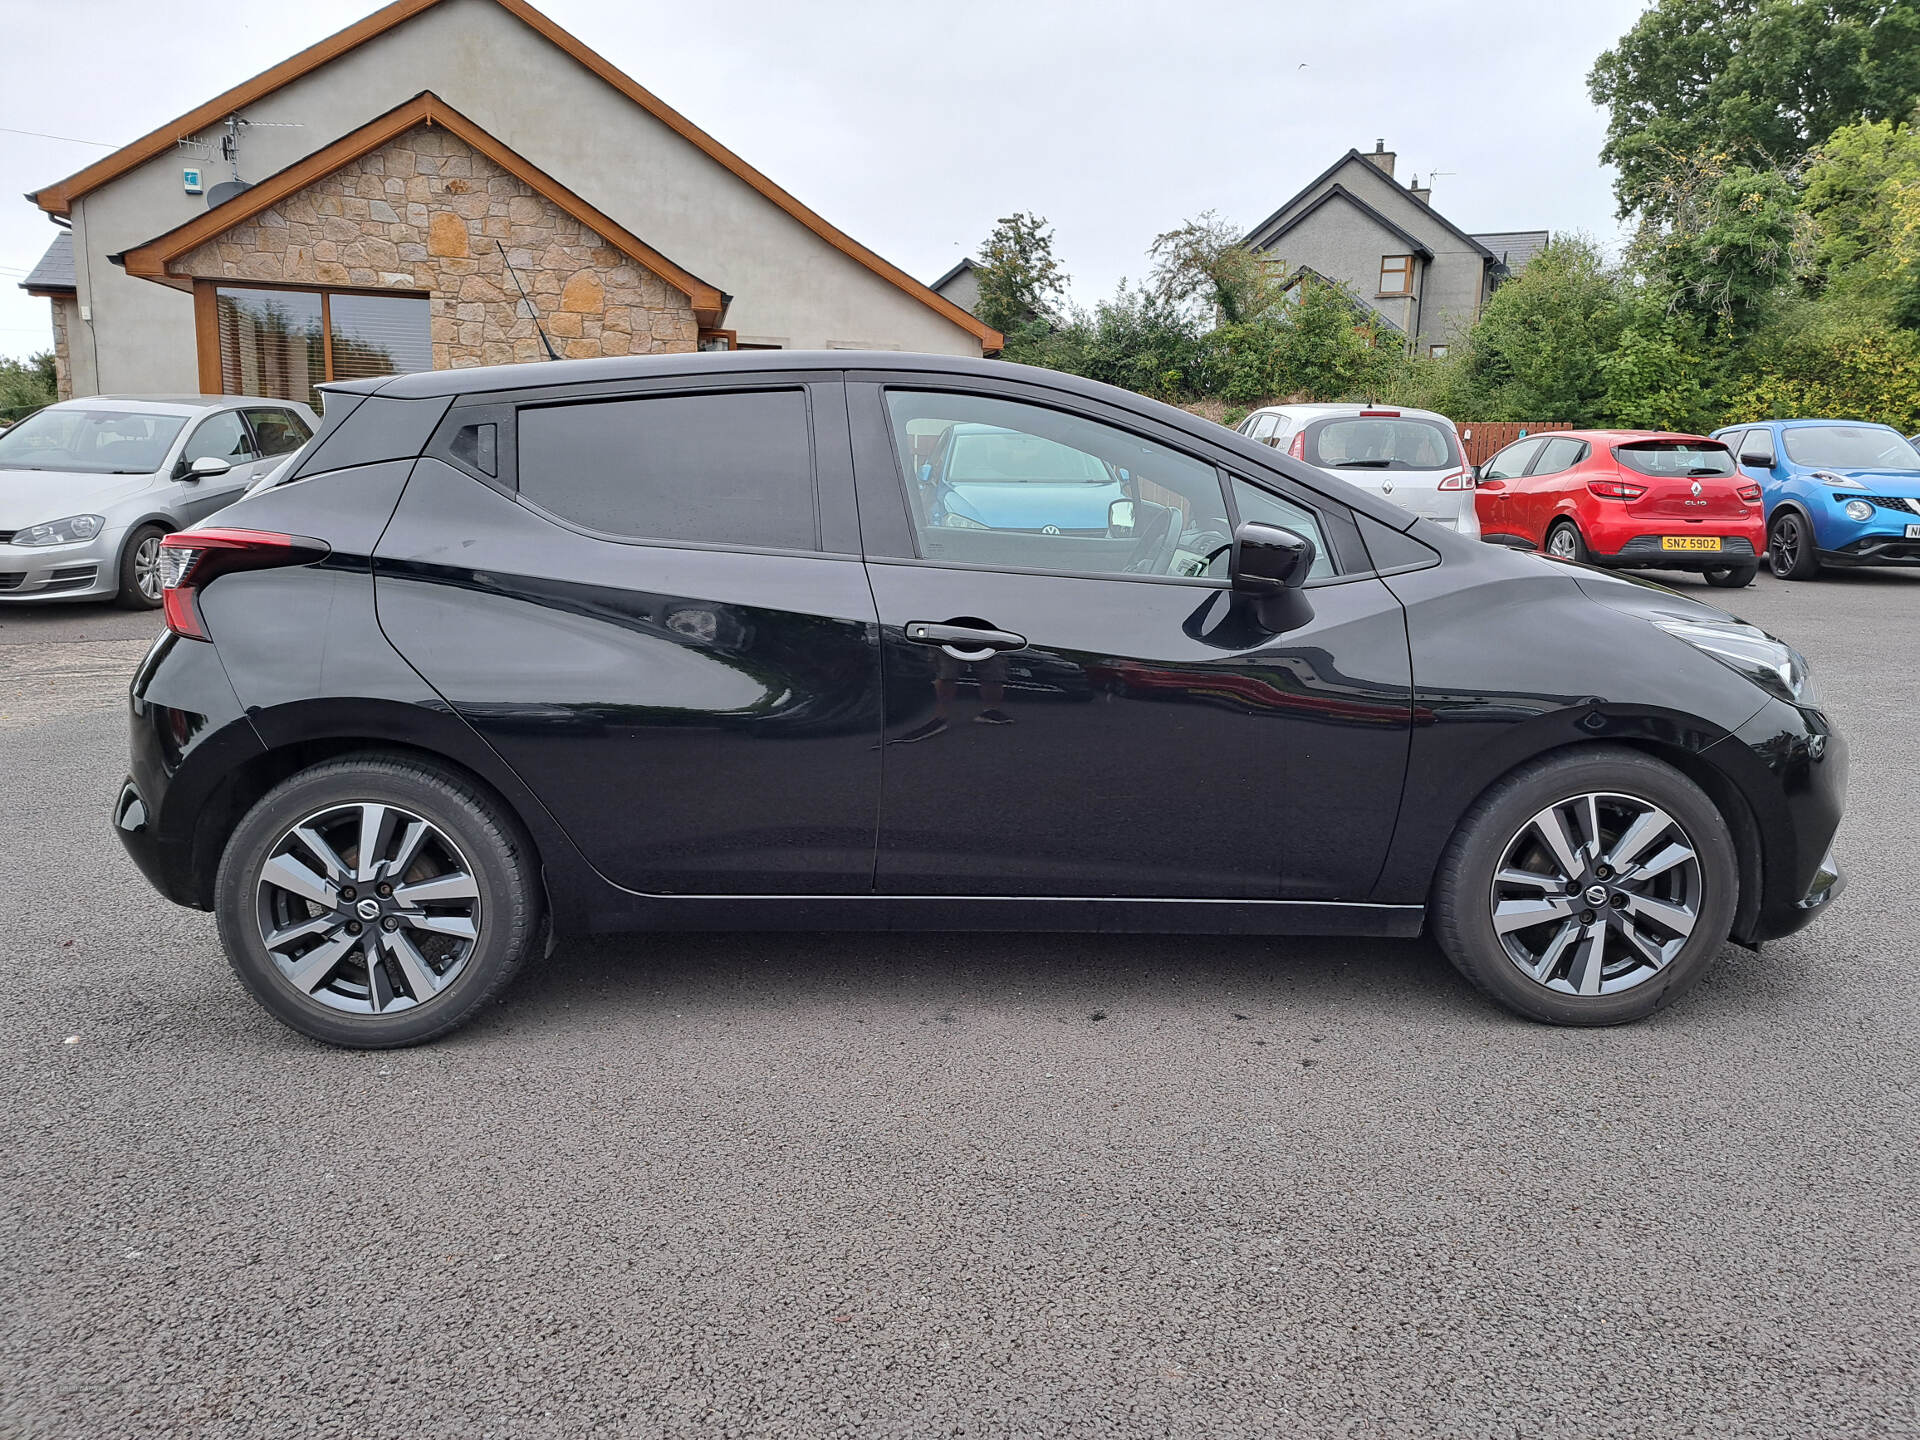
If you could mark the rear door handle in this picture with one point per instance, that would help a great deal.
(964, 642)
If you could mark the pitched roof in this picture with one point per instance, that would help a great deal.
(54, 274)
(1340, 192)
(1304, 272)
(1514, 248)
(1257, 239)
(150, 260)
(965, 264)
(57, 199)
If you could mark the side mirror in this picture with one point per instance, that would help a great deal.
(926, 472)
(1756, 459)
(206, 467)
(1269, 559)
(1120, 517)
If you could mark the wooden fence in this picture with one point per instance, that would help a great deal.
(1481, 438)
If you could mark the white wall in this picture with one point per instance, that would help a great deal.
(785, 280)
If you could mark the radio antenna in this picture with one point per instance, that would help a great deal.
(532, 313)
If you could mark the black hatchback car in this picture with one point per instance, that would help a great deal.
(687, 643)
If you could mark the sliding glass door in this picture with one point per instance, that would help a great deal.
(283, 344)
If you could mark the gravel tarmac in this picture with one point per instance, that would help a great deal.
(826, 1185)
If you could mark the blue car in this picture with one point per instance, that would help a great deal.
(1836, 492)
(985, 478)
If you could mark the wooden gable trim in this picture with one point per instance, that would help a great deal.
(57, 199)
(150, 261)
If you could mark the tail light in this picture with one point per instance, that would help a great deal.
(1749, 493)
(1459, 480)
(191, 558)
(1616, 489)
(1298, 449)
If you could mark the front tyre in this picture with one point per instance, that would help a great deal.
(375, 901)
(1733, 577)
(1790, 547)
(140, 587)
(1591, 887)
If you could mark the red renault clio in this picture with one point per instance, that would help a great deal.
(1626, 499)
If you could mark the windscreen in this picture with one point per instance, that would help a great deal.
(1006, 457)
(1676, 459)
(1851, 447)
(1366, 442)
(90, 442)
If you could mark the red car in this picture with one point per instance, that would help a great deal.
(1628, 499)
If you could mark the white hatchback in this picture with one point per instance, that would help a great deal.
(1410, 457)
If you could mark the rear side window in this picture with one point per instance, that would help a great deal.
(1558, 455)
(1675, 458)
(1366, 442)
(280, 432)
(717, 469)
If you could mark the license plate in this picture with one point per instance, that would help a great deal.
(1692, 542)
(1913, 532)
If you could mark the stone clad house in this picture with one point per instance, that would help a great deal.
(1384, 242)
(435, 187)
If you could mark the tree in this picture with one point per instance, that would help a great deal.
(1862, 203)
(26, 385)
(1203, 261)
(1757, 82)
(1728, 243)
(1021, 283)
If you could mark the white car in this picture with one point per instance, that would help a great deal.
(88, 487)
(1411, 457)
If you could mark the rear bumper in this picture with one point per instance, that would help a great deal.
(1644, 552)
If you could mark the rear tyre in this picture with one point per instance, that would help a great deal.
(1564, 542)
(1790, 547)
(1590, 887)
(1735, 577)
(374, 901)
(140, 570)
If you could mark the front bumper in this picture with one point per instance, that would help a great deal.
(1874, 550)
(89, 570)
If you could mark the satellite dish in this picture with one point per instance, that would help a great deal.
(218, 195)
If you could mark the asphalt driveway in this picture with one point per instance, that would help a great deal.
(999, 1185)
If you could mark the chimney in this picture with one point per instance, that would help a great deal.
(1424, 196)
(1382, 156)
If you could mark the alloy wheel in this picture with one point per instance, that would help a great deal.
(1597, 894)
(1560, 543)
(146, 568)
(1785, 554)
(368, 908)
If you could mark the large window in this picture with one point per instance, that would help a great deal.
(1396, 274)
(721, 469)
(284, 344)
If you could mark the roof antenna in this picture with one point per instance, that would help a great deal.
(532, 313)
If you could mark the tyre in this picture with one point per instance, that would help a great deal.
(140, 570)
(1590, 887)
(1564, 542)
(1790, 547)
(373, 901)
(1734, 577)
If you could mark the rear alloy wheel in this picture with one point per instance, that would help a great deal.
(1790, 549)
(374, 902)
(1564, 542)
(1733, 577)
(1589, 888)
(140, 587)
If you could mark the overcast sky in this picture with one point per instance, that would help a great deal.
(913, 126)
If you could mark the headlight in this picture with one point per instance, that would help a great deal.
(962, 522)
(60, 532)
(1841, 482)
(1778, 669)
(1859, 510)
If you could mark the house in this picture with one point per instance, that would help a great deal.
(1384, 242)
(446, 183)
(961, 285)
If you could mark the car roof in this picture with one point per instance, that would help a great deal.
(169, 404)
(1808, 424)
(1321, 412)
(1615, 437)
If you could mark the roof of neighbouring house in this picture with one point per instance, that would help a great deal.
(54, 274)
(953, 274)
(1514, 248)
(1259, 238)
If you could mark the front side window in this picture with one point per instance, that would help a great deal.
(221, 437)
(1675, 459)
(90, 442)
(1381, 443)
(732, 468)
(1016, 486)
(1851, 447)
(1254, 503)
(285, 344)
(1396, 274)
(1511, 463)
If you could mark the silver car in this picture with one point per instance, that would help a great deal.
(1411, 457)
(88, 487)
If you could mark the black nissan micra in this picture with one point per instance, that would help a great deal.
(701, 641)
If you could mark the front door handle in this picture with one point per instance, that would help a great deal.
(964, 642)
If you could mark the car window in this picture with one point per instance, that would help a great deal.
(1851, 447)
(223, 436)
(1511, 462)
(1558, 454)
(1365, 442)
(1675, 458)
(1255, 503)
(734, 468)
(1263, 426)
(1016, 486)
(279, 432)
(90, 442)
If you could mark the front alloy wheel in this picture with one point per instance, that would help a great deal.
(1790, 549)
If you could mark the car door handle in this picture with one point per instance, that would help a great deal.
(964, 642)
